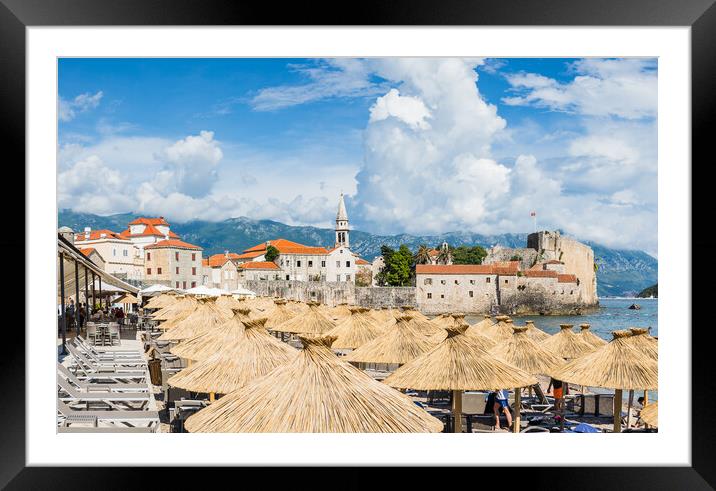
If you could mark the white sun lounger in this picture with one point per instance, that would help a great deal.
(91, 384)
(103, 354)
(81, 358)
(68, 393)
(129, 419)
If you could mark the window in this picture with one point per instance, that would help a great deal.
(472, 282)
(430, 295)
(310, 264)
(487, 280)
(124, 252)
(338, 264)
(176, 256)
(442, 282)
(114, 252)
(193, 271)
(348, 277)
(159, 270)
(506, 281)
(177, 284)
(428, 281)
(287, 277)
(184, 283)
(177, 269)
(193, 256)
(571, 292)
(348, 263)
(149, 256)
(149, 270)
(193, 284)
(470, 292)
(323, 264)
(442, 296)
(298, 264)
(457, 282)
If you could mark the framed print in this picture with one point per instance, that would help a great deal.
(400, 238)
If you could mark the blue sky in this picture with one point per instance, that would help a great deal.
(418, 145)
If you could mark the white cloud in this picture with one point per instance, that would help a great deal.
(98, 188)
(409, 110)
(67, 110)
(626, 88)
(190, 165)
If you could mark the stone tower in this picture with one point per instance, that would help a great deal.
(342, 238)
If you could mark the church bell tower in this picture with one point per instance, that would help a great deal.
(342, 225)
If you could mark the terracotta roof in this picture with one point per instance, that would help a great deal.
(149, 230)
(540, 273)
(174, 244)
(454, 269)
(566, 278)
(287, 247)
(218, 260)
(97, 234)
(149, 221)
(204, 262)
(250, 255)
(361, 261)
(259, 265)
(506, 267)
(87, 251)
(434, 252)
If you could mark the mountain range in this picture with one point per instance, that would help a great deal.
(621, 272)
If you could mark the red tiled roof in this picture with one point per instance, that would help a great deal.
(361, 261)
(87, 251)
(250, 255)
(218, 260)
(540, 273)
(454, 269)
(287, 247)
(97, 234)
(174, 244)
(566, 278)
(204, 262)
(259, 265)
(506, 267)
(149, 221)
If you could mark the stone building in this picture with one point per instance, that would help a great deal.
(259, 271)
(173, 263)
(221, 271)
(119, 255)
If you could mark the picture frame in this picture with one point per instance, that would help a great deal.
(700, 15)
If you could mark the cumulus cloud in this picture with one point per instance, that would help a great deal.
(625, 88)
(67, 110)
(189, 165)
(97, 187)
(409, 110)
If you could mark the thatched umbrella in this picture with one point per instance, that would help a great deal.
(590, 337)
(481, 326)
(483, 341)
(641, 340)
(203, 319)
(400, 344)
(182, 303)
(650, 415)
(535, 333)
(356, 330)
(162, 300)
(432, 331)
(499, 331)
(177, 316)
(339, 312)
(227, 302)
(314, 393)
(566, 344)
(412, 312)
(205, 344)
(617, 365)
(458, 364)
(524, 353)
(247, 353)
(279, 314)
(385, 316)
(312, 322)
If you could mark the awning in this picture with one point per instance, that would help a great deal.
(72, 256)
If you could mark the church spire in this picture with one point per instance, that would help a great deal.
(342, 224)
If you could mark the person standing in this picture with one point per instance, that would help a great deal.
(502, 404)
(558, 394)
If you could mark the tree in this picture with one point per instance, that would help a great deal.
(271, 253)
(423, 255)
(398, 268)
(364, 277)
(445, 254)
(468, 255)
(516, 258)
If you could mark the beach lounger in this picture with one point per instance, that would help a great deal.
(107, 429)
(66, 392)
(92, 384)
(122, 358)
(104, 352)
(80, 358)
(136, 419)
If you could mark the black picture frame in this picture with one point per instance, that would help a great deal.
(700, 15)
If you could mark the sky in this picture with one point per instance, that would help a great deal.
(417, 145)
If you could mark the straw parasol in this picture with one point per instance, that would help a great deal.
(203, 319)
(412, 312)
(181, 304)
(399, 344)
(524, 353)
(566, 344)
(590, 337)
(247, 353)
(227, 302)
(314, 393)
(458, 364)
(534, 333)
(356, 330)
(650, 415)
(501, 330)
(617, 365)
(339, 312)
(279, 314)
(430, 330)
(312, 322)
(205, 344)
(641, 340)
(480, 327)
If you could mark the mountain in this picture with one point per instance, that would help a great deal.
(621, 272)
(652, 291)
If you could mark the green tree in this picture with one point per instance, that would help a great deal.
(423, 255)
(271, 253)
(399, 267)
(468, 255)
(445, 255)
(516, 258)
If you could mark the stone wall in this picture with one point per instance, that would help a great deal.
(385, 296)
(501, 254)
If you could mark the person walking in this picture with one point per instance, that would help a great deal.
(502, 405)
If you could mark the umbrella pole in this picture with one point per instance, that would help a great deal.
(646, 397)
(457, 411)
(518, 404)
(211, 397)
(631, 401)
(617, 411)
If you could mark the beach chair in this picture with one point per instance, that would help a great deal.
(113, 333)
(116, 419)
(103, 351)
(106, 356)
(92, 384)
(84, 368)
(114, 400)
(80, 357)
(91, 332)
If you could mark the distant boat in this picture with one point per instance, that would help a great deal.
(635, 307)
